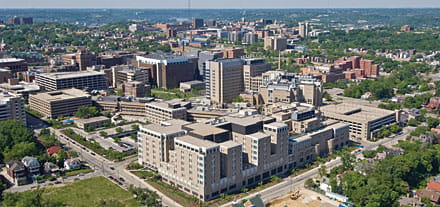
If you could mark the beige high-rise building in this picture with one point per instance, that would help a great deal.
(12, 107)
(275, 43)
(303, 29)
(226, 79)
(253, 68)
(187, 156)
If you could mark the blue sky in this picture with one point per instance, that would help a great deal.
(220, 4)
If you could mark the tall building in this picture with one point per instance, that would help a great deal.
(197, 23)
(226, 79)
(82, 59)
(12, 107)
(167, 71)
(303, 29)
(235, 36)
(59, 103)
(89, 80)
(208, 159)
(211, 23)
(250, 38)
(275, 43)
(252, 68)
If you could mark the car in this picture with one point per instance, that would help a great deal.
(122, 179)
(76, 179)
(50, 184)
(112, 168)
(81, 174)
(57, 182)
(120, 183)
(110, 177)
(33, 187)
(93, 154)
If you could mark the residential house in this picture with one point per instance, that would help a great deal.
(17, 171)
(32, 165)
(53, 151)
(413, 202)
(71, 164)
(433, 196)
(50, 168)
(434, 184)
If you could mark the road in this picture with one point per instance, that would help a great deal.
(109, 168)
(291, 183)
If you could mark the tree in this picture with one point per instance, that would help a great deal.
(20, 150)
(146, 197)
(347, 160)
(135, 127)
(110, 203)
(322, 171)
(310, 183)
(238, 99)
(413, 122)
(11, 133)
(327, 96)
(103, 134)
(85, 112)
(119, 130)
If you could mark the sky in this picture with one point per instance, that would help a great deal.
(217, 4)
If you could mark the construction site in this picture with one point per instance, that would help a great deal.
(303, 198)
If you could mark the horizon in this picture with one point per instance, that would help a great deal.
(225, 4)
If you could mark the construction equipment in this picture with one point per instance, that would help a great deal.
(295, 195)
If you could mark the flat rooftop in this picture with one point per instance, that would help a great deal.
(258, 135)
(167, 127)
(229, 144)
(353, 112)
(205, 129)
(247, 120)
(196, 142)
(67, 75)
(10, 60)
(61, 95)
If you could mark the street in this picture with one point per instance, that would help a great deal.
(104, 167)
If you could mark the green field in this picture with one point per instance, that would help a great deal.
(89, 192)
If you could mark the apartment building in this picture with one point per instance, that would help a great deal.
(12, 107)
(275, 43)
(226, 80)
(59, 103)
(364, 121)
(81, 59)
(89, 80)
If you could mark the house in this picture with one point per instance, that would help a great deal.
(53, 151)
(433, 196)
(32, 165)
(50, 168)
(17, 171)
(434, 184)
(71, 164)
(406, 201)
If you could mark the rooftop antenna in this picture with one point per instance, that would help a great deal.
(189, 10)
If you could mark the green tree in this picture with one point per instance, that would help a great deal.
(119, 130)
(146, 197)
(20, 150)
(322, 171)
(87, 112)
(348, 160)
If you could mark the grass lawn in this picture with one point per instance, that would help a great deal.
(89, 192)
(76, 172)
(177, 195)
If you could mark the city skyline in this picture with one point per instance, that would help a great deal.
(226, 4)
